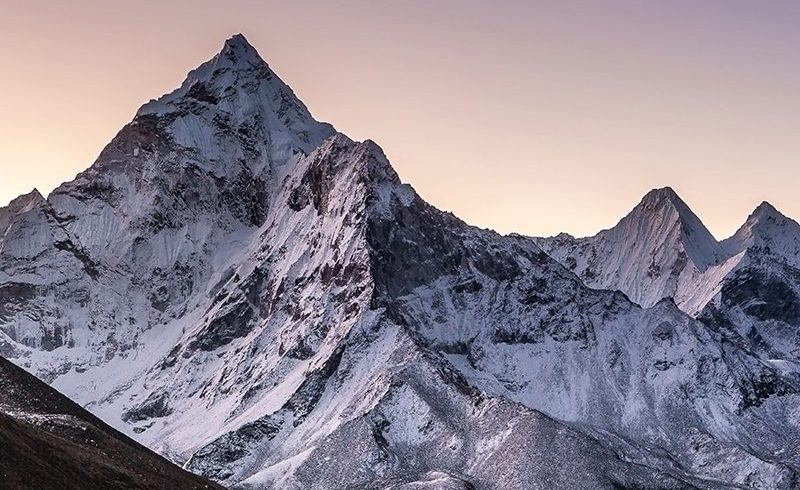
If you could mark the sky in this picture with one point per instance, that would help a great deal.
(521, 116)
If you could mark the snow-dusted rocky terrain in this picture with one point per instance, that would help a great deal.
(746, 286)
(256, 296)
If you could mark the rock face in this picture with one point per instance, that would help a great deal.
(260, 298)
(747, 286)
(47, 441)
(759, 298)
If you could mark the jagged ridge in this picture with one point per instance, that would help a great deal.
(268, 293)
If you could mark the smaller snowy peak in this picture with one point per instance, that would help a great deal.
(766, 216)
(28, 228)
(661, 214)
(19, 205)
(33, 196)
(769, 231)
(666, 201)
(661, 195)
(25, 202)
(765, 209)
(651, 254)
(367, 155)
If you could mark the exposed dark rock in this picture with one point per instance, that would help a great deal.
(88, 265)
(199, 91)
(12, 296)
(303, 401)
(155, 406)
(762, 296)
(233, 323)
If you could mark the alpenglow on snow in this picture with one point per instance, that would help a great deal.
(260, 299)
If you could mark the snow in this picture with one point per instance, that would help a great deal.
(658, 250)
(260, 298)
(661, 250)
(769, 230)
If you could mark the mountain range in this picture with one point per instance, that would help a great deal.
(257, 297)
(745, 284)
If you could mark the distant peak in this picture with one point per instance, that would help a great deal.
(23, 203)
(238, 50)
(768, 228)
(33, 197)
(764, 214)
(659, 213)
(665, 199)
(661, 194)
(766, 209)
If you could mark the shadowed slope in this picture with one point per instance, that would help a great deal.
(47, 441)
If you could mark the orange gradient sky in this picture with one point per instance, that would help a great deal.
(525, 116)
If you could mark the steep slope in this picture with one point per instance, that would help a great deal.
(657, 251)
(374, 391)
(759, 298)
(37, 253)
(167, 203)
(249, 293)
(47, 441)
(769, 232)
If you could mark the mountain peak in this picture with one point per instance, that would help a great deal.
(24, 202)
(33, 196)
(661, 193)
(235, 96)
(663, 219)
(664, 197)
(768, 229)
(239, 52)
(764, 217)
(766, 210)
(238, 64)
(238, 41)
(664, 203)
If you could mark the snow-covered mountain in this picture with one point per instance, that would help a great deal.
(768, 231)
(659, 250)
(250, 293)
(747, 285)
(759, 298)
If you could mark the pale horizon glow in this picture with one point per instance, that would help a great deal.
(529, 117)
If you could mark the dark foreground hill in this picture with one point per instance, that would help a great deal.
(47, 441)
